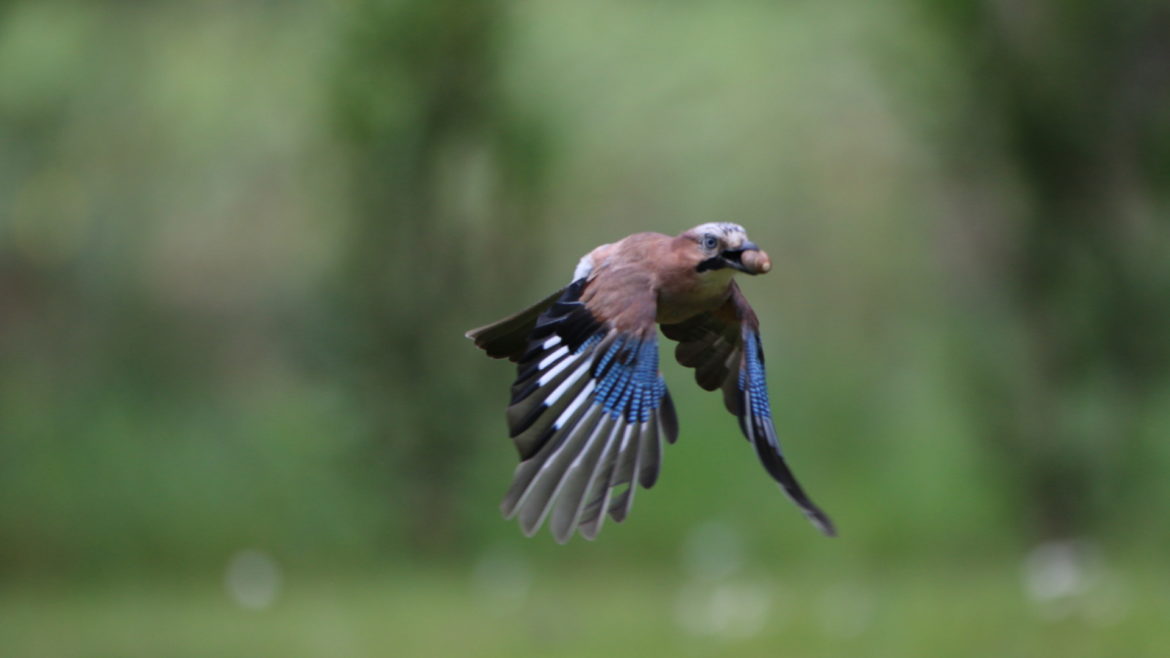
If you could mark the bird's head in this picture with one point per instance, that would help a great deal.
(720, 245)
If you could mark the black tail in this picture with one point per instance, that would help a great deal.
(509, 337)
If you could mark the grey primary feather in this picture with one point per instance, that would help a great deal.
(580, 477)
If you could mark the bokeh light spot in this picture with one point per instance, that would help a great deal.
(253, 579)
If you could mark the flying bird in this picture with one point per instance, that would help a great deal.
(589, 408)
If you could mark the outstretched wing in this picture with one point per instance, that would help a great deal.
(589, 411)
(723, 346)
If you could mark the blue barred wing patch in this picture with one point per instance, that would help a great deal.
(630, 386)
(751, 379)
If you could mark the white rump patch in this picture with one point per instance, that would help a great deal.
(584, 267)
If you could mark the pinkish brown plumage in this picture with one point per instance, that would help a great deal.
(589, 409)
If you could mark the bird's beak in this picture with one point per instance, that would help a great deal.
(734, 258)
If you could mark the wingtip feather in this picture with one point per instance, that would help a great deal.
(820, 520)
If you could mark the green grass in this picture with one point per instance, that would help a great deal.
(506, 609)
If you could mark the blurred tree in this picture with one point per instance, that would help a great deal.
(445, 178)
(1060, 160)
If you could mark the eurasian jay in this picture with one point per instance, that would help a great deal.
(589, 407)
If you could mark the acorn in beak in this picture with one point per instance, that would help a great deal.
(748, 258)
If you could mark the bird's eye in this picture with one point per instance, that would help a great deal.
(710, 242)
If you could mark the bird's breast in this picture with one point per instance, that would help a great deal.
(687, 296)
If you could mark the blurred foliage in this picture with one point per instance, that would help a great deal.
(442, 185)
(240, 243)
(1069, 234)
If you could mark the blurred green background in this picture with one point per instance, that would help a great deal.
(240, 243)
